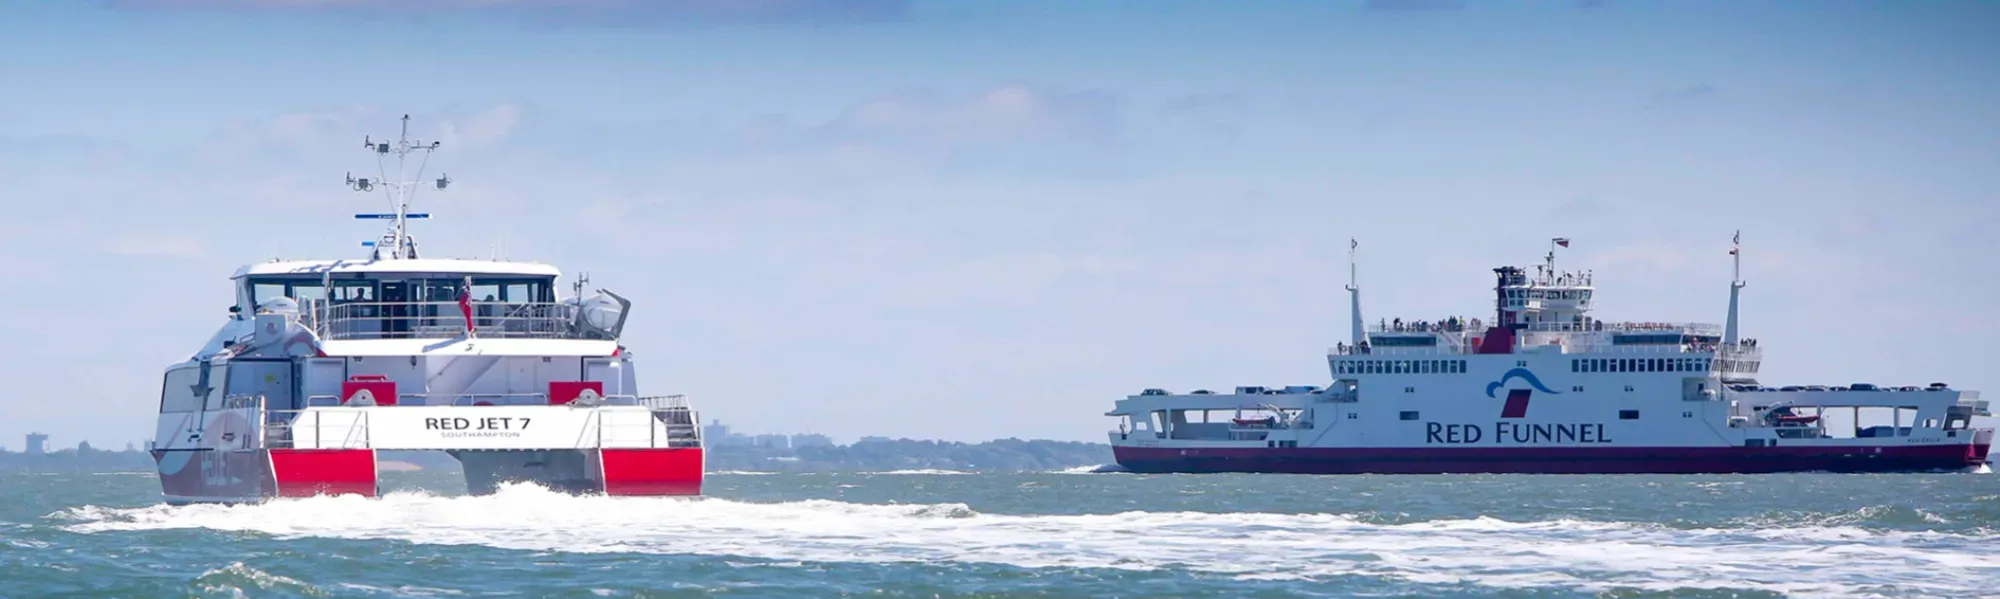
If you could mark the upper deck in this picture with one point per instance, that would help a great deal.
(422, 298)
(1543, 310)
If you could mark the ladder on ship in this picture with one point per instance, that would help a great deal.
(681, 429)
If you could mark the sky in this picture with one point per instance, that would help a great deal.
(974, 220)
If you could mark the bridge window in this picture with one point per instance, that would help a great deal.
(1628, 414)
(1410, 415)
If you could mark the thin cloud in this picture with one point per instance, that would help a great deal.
(1415, 4)
(1692, 93)
(1007, 112)
(603, 13)
(180, 246)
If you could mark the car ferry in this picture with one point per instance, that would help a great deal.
(323, 363)
(1544, 386)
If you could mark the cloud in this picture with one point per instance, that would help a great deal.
(482, 129)
(605, 13)
(1008, 112)
(1684, 95)
(342, 130)
(173, 246)
(1415, 4)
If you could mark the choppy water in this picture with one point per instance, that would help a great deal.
(1058, 534)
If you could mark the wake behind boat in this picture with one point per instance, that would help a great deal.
(1545, 387)
(324, 362)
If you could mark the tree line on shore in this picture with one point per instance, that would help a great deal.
(872, 454)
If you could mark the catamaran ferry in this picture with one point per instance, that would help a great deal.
(1545, 387)
(323, 363)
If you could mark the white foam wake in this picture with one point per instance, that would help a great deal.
(1568, 554)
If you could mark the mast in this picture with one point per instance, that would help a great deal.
(1354, 292)
(399, 191)
(1551, 258)
(1735, 288)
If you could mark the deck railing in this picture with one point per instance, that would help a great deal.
(394, 320)
(1475, 327)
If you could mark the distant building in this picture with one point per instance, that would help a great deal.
(717, 434)
(804, 440)
(875, 440)
(773, 441)
(715, 431)
(38, 444)
(129, 447)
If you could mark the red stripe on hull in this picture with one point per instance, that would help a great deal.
(1553, 460)
(309, 472)
(651, 471)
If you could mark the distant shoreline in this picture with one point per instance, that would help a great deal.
(869, 455)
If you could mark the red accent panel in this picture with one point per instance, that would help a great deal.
(563, 392)
(378, 386)
(1517, 403)
(309, 472)
(1498, 340)
(652, 471)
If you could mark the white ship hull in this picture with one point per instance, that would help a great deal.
(1550, 389)
(1446, 423)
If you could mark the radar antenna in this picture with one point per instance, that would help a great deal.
(398, 190)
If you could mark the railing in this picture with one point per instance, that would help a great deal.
(282, 432)
(1462, 326)
(397, 320)
(1475, 326)
(1607, 348)
(658, 402)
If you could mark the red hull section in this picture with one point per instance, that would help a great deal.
(651, 471)
(309, 472)
(1515, 460)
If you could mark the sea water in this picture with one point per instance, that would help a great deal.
(1036, 534)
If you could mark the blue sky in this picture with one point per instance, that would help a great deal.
(978, 220)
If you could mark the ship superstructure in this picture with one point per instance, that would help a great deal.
(322, 363)
(1541, 385)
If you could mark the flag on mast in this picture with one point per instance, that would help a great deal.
(1562, 241)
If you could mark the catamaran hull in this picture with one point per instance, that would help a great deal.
(1628, 460)
(251, 476)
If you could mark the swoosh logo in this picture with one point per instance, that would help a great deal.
(1520, 373)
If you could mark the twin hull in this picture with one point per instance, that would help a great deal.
(227, 455)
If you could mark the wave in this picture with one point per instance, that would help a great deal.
(1091, 469)
(919, 471)
(1825, 558)
(240, 580)
(739, 473)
